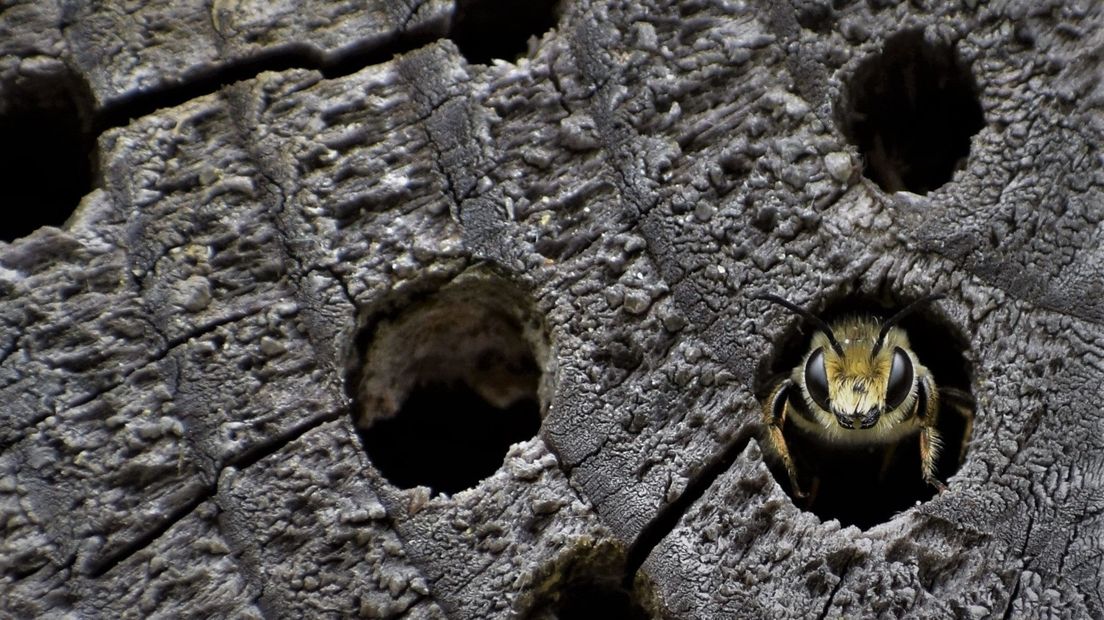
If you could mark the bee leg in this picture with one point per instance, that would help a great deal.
(774, 417)
(965, 406)
(930, 442)
(929, 452)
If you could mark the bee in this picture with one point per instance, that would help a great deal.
(860, 383)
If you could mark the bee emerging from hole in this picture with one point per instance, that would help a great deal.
(860, 383)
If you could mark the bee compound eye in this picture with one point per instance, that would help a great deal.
(816, 379)
(900, 379)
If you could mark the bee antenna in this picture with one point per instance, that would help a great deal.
(893, 320)
(808, 316)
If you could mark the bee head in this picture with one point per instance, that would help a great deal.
(860, 380)
(856, 386)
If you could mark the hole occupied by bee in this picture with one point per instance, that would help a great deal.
(489, 29)
(443, 384)
(587, 583)
(45, 162)
(911, 110)
(864, 484)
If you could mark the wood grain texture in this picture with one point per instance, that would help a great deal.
(177, 437)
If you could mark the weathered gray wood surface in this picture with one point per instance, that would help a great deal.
(175, 430)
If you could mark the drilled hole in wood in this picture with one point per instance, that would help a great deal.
(45, 161)
(862, 483)
(489, 29)
(444, 383)
(912, 110)
(597, 598)
(588, 583)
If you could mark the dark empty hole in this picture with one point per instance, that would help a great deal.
(45, 161)
(444, 385)
(912, 110)
(864, 485)
(447, 437)
(488, 29)
(588, 584)
(600, 600)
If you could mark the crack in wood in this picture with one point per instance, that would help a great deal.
(166, 349)
(295, 56)
(832, 595)
(100, 567)
(1012, 597)
(668, 515)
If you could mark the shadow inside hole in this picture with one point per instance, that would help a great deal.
(864, 485)
(45, 154)
(444, 384)
(912, 110)
(447, 437)
(589, 583)
(867, 485)
(597, 600)
(489, 29)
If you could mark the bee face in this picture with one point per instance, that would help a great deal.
(858, 385)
